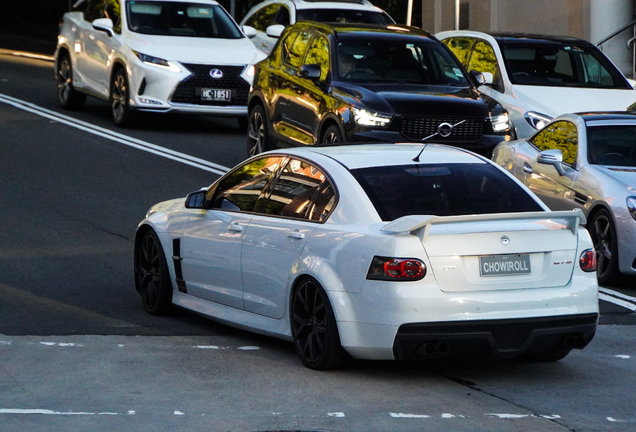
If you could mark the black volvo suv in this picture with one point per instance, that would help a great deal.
(365, 83)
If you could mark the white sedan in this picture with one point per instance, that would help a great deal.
(388, 251)
(153, 55)
(538, 77)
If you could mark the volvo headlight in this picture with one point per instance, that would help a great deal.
(156, 61)
(537, 120)
(631, 206)
(368, 118)
(500, 122)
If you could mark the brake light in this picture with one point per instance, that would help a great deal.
(588, 260)
(396, 269)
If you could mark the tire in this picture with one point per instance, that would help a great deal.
(153, 277)
(257, 134)
(67, 96)
(120, 99)
(603, 235)
(314, 328)
(332, 135)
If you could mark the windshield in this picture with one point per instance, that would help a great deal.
(167, 18)
(397, 60)
(344, 16)
(612, 145)
(556, 64)
(442, 190)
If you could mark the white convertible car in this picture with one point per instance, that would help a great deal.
(388, 251)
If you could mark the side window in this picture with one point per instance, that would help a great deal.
(240, 189)
(263, 17)
(561, 135)
(297, 50)
(483, 59)
(93, 10)
(319, 54)
(460, 46)
(301, 191)
(113, 11)
(282, 16)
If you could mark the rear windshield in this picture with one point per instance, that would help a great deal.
(344, 16)
(562, 65)
(612, 145)
(165, 18)
(392, 59)
(442, 190)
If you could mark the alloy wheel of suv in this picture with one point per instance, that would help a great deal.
(257, 139)
(67, 96)
(119, 95)
(332, 135)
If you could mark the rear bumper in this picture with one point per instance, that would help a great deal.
(494, 338)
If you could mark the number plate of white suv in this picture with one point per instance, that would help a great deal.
(216, 95)
(504, 265)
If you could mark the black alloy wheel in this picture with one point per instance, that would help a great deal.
(153, 277)
(67, 96)
(332, 135)
(314, 327)
(257, 138)
(119, 99)
(603, 235)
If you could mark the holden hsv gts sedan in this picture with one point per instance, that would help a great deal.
(185, 56)
(377, 251)
(368, 83)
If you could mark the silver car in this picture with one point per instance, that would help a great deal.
(585, 161)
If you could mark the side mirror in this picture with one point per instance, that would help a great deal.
(552, 157)
(310, 71)
(488, 77)
(195, 200)
(105, 25)
(249, 31)
(275, 30)
(478, 77)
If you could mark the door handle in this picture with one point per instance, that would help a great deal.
(235, 228)
(526, 168)
(295, 234)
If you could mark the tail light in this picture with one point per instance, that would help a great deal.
(396, 269)
(588, 260)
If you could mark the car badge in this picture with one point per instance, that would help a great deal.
(505, 240)
(216, 73)
(445, 129)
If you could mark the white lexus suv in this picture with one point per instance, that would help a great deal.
(155, 55)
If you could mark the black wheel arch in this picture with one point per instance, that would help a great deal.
(330, 120)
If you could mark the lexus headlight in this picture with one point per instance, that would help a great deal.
(537, 120)
(631, 206)
(156, 61)
(368, 118)
(248, 74)
(500, 122)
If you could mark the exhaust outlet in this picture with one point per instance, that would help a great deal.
(433, 349)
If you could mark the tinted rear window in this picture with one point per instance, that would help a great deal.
(442, 190)
(343, 16)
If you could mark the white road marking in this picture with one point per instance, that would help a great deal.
(248, 348)
(619, 302)
(404, 415)
(115, 136)
(509, 416)
(621, 356)
(336, 414)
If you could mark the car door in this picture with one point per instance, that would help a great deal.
(301, 197)
(293, 51)
(555, 190)
(99, 48)
(213, 238)
(86, 43)
(307, 104)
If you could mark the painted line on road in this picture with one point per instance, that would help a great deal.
(616, 301)
(115, 136)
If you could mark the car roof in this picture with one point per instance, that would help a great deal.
(375, 155)
(365, 29)
(596, 116)
(536, 38)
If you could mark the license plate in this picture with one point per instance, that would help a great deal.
(216, 95)
(504, 265)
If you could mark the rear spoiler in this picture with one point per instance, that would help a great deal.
(420, 225)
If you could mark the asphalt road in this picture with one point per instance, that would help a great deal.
(77, 352)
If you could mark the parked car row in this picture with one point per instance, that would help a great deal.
(369, 250)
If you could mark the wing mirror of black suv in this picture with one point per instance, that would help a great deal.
(310, 71)
(104, 24)
(478, 77)
(195, 200)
